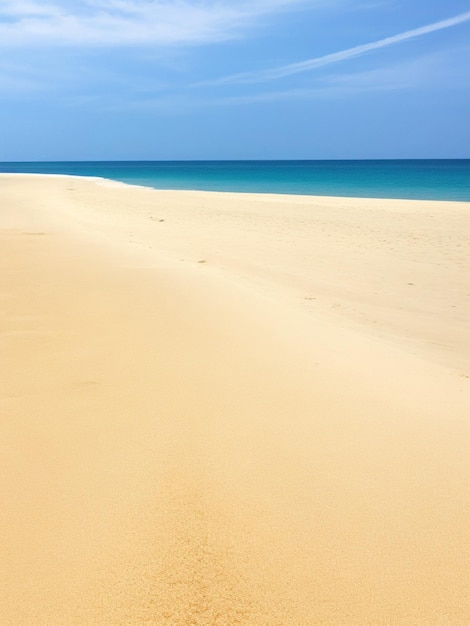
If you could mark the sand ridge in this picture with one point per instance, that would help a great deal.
(199, 443)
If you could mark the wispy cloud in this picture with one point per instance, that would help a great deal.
(336, 57)
(438, 70)
(129, 22)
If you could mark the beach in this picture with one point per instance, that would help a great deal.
(223, 408)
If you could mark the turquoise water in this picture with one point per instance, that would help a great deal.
(414, 179)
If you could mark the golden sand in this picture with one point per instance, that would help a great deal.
(232, 409)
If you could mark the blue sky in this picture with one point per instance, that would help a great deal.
(234, 79)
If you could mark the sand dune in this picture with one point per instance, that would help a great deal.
(232, 409)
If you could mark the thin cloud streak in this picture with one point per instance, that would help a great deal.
(336, 57)
(401, 76)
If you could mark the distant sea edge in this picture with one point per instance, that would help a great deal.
(423, 179)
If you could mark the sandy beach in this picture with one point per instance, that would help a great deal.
(232, 409)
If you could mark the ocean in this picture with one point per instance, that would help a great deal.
(407, 179)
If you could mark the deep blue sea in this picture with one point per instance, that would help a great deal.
(413, 179)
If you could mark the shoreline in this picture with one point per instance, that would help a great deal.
(253, 195)
(225, 409)
(282, 194)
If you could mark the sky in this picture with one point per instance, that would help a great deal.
(234, 79)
